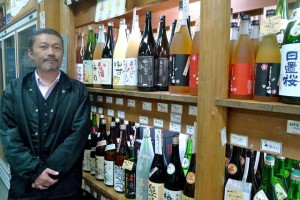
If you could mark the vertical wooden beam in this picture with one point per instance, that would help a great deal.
(213, 79)
(52, 16)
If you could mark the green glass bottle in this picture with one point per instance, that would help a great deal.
(279, 172)
(282, 10)
(294, 191)
(188, 156)
(289, 81)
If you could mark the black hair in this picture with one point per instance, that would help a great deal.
(44, 31)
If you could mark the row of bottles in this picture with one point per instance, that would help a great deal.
(112, 157)
(141, 62)
(266, 70)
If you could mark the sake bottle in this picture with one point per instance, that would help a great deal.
(233, 41)
(97, 68)
(235, 170)
(107, 59)
(88, 59)
(242, 63)
(119, 57)
(94, 134)
(279, 173)
(100, 151)
(289, 86)
(180, 51)
(249, 175)
(187, 156)
(282, 10)
(86, 165)
(172, 29)
(254, 36)
(267, 66)
(294, 191)
(79, 57)
(130, 175)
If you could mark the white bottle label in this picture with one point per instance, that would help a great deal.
(119, 72)
(109, 172)
(99, 167)
(93, 166)
(106, 68)
(281, 194)
(97, 72)
(87, 71)
(289, 83)
(79, 67)
(170, 194)
(131, 72)
(119, 179)
(86, 160)
(155, 190)
(171, 169)
(260, 196)
(110, 147)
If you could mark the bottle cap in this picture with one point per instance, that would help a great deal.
(295, 175)
(101, 116)
(255, 22)
(146, 132)
(126, 122)
(103, 121)
(270, 12)
(270, 160)
(245, 17)
(137, 125)
(162, 18)
(117, 120)
(148, 14)
(175, 140)
(110, 23)
(233, 24)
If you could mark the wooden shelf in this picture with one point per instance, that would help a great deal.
(262, 106)
(149, 95)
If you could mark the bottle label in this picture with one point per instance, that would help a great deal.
(119, 71)
(101, 143)
(145, 71)
(266, 79)
(170, 194)
(79, 67)
(289, 83)
(92, 166)
(194, 61)
(281, 194)
(108, 172)
(241, 79)
(260, 196)
(86, 160)
(171, 168)
(119, 178)
(88, 71)
(190, 178)
(97, 71)
(232, 169)
(130, 184)
(106, 71)
(186, 197)
(158, 141)
(155, 190)
(179, 70)
(131, 72)
(99, 167)
(152, 171)
(110, 147)
(162, 72)
(185, 163)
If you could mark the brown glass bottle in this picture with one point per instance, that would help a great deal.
(79, 57)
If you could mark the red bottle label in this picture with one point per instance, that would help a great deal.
(194, 61)
(241, 79)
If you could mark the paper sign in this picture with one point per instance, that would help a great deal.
(193, 110)
(120, 101)
(110, 112)
(190, 129)
(109, 99)
(127, 165)
(121, 114)
(94, 109)
(162, 107)
(175, 108)
(100, 110)
(99, 98)
(147, 106)
(234, 195)
(131, 103)
(174, 127)
(270, 25)
(91, 97)
(293, 127)
(239, 140)
(158, 123)
(271, 146)
(143, 120)
(175, 118)
(223, 136)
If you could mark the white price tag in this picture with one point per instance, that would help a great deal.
(131, 103)
(100, 110)
(176, 108)
(91, 97)
(87, 188)
(193, 110)
(162, 107)
(293, 127)
(223, 136)
(127, 165)
(158, 123)
(109, 99)
(94, 109)
(271, 146)
(143, 120)
(110, 112)
(147, 106)
(99, 98)
(95, 195)
(190, 129)
(121, 114)
(239, 140)
(174, 127)
(175, 118)
(120, 101)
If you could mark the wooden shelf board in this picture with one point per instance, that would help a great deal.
(262, 106)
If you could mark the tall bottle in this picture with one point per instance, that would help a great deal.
(119, 57)
(187, 156)
(146, 58)
(162, 48)
(144, 161)
(289, 86)
(249, 175)
(100, 151)
(107, 59)
(173, 26)
(174, 182)
(86, 165)
(94, 139)
(254, 36)
(79, 57)
(158, 169)
(282, 10)
(88, 59)
(279, 173)
(97, 68)
(242, 63)
(194, 60)
(294, 191)
(233, 42)
(235, 170)
(267, 66)
(132, 55)
(180, 51)
(130, 175)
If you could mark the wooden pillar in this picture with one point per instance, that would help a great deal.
(213, 79)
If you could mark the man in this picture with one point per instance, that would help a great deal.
(44, 124)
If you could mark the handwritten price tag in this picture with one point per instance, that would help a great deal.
(100, 110)
(121, 114)
(131, 103)
(234, 194)
(110, 112)
(158, 123)
(91, 97)
(270, 25)
(94, 109)
(162, 107)
(193, 110)
(293, 127)
(271, 146)
(176, 108)
(143, 120)
(175, 118)
(147, 106)
(223, 136)
(109, 99)
(239, 140)
(99, 98)
(127, 165)
(120, 101)
(190, 129)
(174, 127)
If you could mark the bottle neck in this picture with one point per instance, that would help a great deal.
(148, 28)
(101, 36)
(244, 28)
(175, 154)
(122, 33)
(269, 174)
(255, 32)
(90, 35)
(233, 33)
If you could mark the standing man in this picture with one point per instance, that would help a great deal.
(44, 125)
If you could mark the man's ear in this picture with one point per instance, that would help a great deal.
(29, 53)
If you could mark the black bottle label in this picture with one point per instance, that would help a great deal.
(179, 70)
(266, 79)
(162, 71)
(145, 71)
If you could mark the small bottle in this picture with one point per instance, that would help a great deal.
(294, 191)
(254, 36)
(79, 57)
(88, 59)
(282, 9)
(130, 175)
(187, 156)
(97, 68)
(235, 170)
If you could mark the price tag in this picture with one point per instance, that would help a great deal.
(293, 127)
(143, 120)
(109, 99)
(131, 103)
(223, 136)
(174, 127)
(271, 146)
(234, 194)
(239, 140)
(95, 195)
(162, 107)
(127, 165)
(120, 101)
(121, 114)
(176, 108)
(83, 184)
(175, 118)
(91, 97)
(270, 25)
(99, 98)
(158, 123)
(193, 110)
(190, 129)
(147, 106)
(110, 112)
(87, 188)
(94, 109)
(100, 110)
(69, 2)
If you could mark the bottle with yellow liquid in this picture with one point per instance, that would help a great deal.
(97, 72)
(254, 36)
(267, 67)
(180, 51)
(233, 41)
(242, 63)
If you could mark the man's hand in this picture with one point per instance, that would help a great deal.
(44, 181)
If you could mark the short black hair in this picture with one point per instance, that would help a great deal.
(44, 31)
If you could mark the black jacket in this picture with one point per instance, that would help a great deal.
(67, 135)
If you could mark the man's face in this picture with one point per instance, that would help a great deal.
(47, 52)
